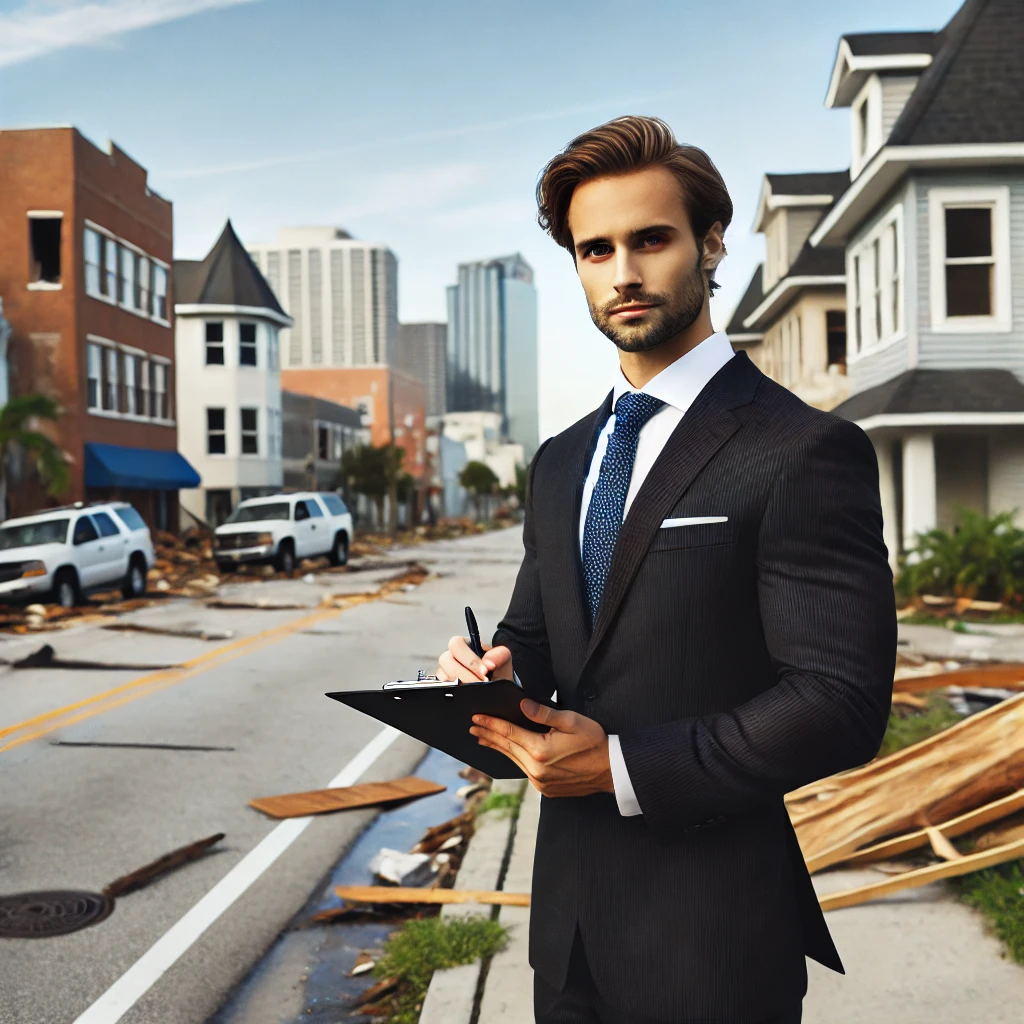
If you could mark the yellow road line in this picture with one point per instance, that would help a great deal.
(40, 725)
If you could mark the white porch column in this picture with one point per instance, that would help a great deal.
(887, 492)
(918, 485)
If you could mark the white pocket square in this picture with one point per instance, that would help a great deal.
(693, 521)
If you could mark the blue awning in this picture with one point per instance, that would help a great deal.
(114, 465)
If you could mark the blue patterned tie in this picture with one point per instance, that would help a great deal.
(608, 502)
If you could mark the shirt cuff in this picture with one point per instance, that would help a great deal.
(629, 806)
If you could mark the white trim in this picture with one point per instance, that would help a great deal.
(786, 285)
(44, 286)
(863, 148)
(45, 214)
(159, 359)
(941, 419)
(100, 340)
(863, 252)
(892, 162)
(847, 64)
(741, 339)
(204, 309)
(124, 417)
(997, 199)
(770, 200)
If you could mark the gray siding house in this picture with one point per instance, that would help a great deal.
(932, 225)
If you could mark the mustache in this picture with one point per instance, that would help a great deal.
(635, 298)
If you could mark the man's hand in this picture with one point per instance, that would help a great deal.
(569, 760)
(459, 662)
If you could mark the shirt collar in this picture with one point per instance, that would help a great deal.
(682, 381)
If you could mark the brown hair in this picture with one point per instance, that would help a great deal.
(627, 144)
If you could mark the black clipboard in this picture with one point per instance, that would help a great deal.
(442, 716)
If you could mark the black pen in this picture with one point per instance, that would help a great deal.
(474, 635)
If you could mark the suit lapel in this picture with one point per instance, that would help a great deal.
(705, 427)
(569, 503)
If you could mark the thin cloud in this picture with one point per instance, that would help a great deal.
(40, 27)
(424, 136)
(424, 188)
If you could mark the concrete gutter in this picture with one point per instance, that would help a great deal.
(452, 995)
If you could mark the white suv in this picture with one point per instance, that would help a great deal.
(66, 552)
(284, 528)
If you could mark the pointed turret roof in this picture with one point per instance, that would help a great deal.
(227, 277)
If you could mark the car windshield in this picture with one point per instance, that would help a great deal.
(49, 531)
(260, 513)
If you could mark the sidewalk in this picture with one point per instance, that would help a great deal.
(918, 957)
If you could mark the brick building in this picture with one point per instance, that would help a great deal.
(85, 274)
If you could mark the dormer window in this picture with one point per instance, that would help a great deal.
(867, 124)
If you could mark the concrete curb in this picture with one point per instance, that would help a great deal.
(451, 996)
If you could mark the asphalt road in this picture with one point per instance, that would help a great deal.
(77, 817)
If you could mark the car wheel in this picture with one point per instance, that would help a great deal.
(286, 558)
(135, 582)
(66, 591)
(339, 553)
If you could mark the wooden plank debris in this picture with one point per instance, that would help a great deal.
(961, 825)
(397, 894)
(1006, 677)
(964, 865)
(953, 772)
(344, 798)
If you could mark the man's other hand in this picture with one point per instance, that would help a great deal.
(571, 759)
(459, 662)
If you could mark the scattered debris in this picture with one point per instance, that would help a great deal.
(365, 794)
(188, 632)
(139, 746)
(262, 604)
(46, 657)
(383, 988)
(411, 870)
(39, 915)
(1009, 677)
(364, 962)
(391, 894)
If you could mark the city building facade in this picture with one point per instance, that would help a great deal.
(227, 348)
(341, 293)
(85, 274)
(316, 435)
(492, 346)
(421, 353)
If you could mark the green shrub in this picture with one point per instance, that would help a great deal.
(983, 557)
(999, 894)
(906, 729)
(432, 944)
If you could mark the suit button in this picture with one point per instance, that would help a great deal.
(589, 694)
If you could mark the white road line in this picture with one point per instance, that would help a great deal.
(147, 971)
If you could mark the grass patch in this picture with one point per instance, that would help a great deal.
(432, 944)
(505, 803)
(999, 894)
(958, 625)
(905, 729)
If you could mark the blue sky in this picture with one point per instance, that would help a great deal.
(424, 126)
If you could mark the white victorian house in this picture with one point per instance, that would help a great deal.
(227, 322)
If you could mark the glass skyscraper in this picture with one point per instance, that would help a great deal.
(492, 345)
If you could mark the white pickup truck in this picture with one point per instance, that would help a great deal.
(284, 528)
(66, 552)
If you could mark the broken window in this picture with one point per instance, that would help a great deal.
(250, 432)
(216, 432)
(247, 344)
(44, 239)
(970, 261)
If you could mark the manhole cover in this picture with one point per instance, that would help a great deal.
(38, 915)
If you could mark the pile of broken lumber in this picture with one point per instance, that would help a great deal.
(965, 783)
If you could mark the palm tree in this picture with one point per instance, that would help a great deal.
(17, 434)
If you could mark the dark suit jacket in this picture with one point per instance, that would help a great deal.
(736, 661)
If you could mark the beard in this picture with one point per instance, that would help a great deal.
(671, 315)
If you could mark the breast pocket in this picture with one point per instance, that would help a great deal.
(693, 535)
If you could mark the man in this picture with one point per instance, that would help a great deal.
(706, 588)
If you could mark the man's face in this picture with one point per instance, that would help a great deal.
(637, 258)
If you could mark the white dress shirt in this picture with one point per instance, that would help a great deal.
(677, 386)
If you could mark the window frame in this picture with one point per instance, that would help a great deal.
(243, 346)
(47, 286)
(876, 287)
(213, 344)
(88, 234)
(222, 432)
(997, 199)
(147, 269)
(243, 433)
